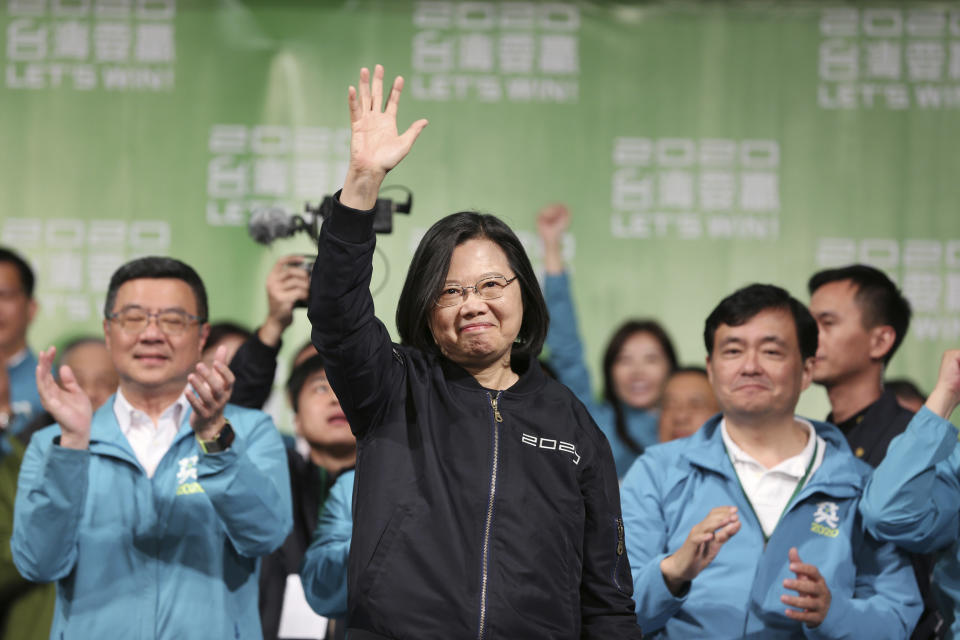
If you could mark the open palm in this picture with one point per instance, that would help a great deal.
(68, 404)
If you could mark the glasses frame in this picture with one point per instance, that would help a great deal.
(464, 290)
(191, 319)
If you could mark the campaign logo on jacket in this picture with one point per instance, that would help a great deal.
(826, 519)
(187, 476)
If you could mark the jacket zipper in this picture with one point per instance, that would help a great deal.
(497, 419)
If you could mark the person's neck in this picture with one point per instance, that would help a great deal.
(768, 441)
(334, 459)
(852, 395)
(153, 401)
(9, 350)
(497, 376)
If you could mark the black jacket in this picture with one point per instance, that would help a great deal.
(465, 526)
(869, 432)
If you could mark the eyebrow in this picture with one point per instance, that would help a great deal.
(129, 307)
(482, 276)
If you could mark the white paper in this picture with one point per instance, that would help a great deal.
(297, 619)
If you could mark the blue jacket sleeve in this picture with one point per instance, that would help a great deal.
(249, 486)
(356, 347)
(913, 497)
(646, 536)
(51, 494)
(886, 601)
(563, 338)
(324, 570)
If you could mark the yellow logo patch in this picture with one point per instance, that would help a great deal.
(190, 487)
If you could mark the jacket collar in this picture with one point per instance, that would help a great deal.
(840, 470)
(531, 375)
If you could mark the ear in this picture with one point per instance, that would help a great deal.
(297, 428)
(709, 369)
(881, 341)
(807, 375)
(204, 334)
(31, 310)
(106, 334)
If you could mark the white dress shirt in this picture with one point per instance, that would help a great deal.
(149, 441)
(769, 490)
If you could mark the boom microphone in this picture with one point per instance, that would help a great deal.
(268, 224)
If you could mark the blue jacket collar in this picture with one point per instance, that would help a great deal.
(840, 469)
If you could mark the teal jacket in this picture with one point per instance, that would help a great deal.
(673, 486)
(566, 358)
(174, 556)
(324, 570)
(913, 500)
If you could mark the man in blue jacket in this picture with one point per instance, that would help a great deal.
(151, 514)
(749, 527)
(913, 498)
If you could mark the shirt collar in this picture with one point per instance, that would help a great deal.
(794, 467)
(126, 413)
(17, 358)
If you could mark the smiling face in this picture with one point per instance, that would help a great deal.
(150, 360)
(319, 418)
(640, 371)
(478, 333)
(688, 401)
(756, 369)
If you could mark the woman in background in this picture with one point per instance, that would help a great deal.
(638, 360)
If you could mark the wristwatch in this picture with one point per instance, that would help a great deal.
(221, 442)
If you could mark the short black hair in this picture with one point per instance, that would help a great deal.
(27, 279)
(298, 378)
(220, 330)
(742, 305)
(157, 267)
(691, 369)
(904, 387)
(878, 298)
(428, 271)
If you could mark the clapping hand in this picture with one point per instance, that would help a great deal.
(67, 402)
(211, 388)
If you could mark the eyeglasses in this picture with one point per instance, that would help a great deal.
(172, 322)
(489, 288)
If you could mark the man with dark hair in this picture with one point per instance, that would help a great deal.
(688, 401)
(19, 400)
(320, 421)
(862, 320)
(25, 607)
(781, 552)
(151, 513)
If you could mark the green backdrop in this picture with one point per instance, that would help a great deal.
(701, 145)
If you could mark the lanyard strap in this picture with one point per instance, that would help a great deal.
(796, 490)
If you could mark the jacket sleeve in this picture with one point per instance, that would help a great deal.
(886, 601)
(913, 497)
(51, 494)
(607, 610)
(254, 367)
(324, 570)
(356, 348)
(563, 338)
(11, 582)
(249, 486)
(646, 535)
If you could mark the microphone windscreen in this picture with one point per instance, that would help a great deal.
(269, 223)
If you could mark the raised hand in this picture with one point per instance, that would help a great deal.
(66, 402)
(376, 146)
(946, 393)
(552, 222)
(287, 283)
(211, 390)
(700, 548)
(813, 600)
